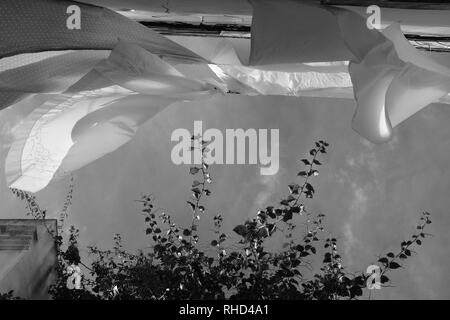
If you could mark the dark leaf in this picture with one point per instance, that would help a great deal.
(287, 216)
(262, 233)
(304, 254)
(394, 265)
(383, 260)
(305, 161)
(194, 170)
(192, 205)
(293, 188)
(241, 230)
(355, 291)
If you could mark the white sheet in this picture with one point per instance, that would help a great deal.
(70, 130)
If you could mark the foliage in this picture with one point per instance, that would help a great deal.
(177, 266)
(8, 296)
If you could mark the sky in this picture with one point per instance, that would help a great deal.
(372, 195)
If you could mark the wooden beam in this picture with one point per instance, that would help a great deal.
(421, 4)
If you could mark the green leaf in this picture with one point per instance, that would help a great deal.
(192, 205)
(290, 198)
(241, 230)
(194, 170)
(305, 161)
(383, 260)
(355, 291)
(287, 216)
(296, 209)
(394, 265)
(271, 214)
(186, 232)
(214, 243)
(262, 215)
(309, 187)
(390, 255)
(304, 254)
(293, 188)
(295, 263)
(262, 233)
(384, 279)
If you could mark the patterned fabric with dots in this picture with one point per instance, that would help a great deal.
(44, 72)
(41, 25)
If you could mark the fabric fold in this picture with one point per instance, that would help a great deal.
(70, 130)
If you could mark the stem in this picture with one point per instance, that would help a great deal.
(197, 202)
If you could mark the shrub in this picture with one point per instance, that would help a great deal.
(178, 267)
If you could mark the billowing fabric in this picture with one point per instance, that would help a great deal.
(293, 32)
(35, 55)
(217, 50)
(287, 83)
(85, 103)
(53, 74)
(70, 130)
(392, 81)
(47, 72)
(299, 79)
(138, 70)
